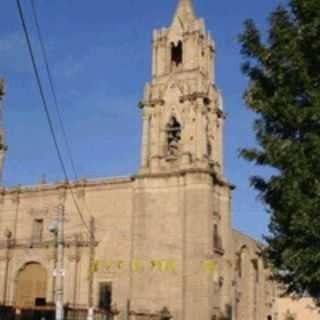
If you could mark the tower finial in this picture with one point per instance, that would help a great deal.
(185, 11)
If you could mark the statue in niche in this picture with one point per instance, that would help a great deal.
(173, 136)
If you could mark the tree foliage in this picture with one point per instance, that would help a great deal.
(283, 69)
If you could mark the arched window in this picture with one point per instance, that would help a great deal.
(173, 136)
(242, 261)
(176, 53)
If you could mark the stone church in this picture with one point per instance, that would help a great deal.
(163, 237)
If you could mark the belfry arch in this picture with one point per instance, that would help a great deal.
(31, 284)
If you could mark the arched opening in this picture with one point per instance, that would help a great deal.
(269, 318)
(176, 53)
(241, 261)
(31, 285)
(173, 136)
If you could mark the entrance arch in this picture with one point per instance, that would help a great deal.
(31, 284)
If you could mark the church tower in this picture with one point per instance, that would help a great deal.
(181, 199)
(182, 108)
(3, 147)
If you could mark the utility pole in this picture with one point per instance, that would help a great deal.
(60, 270)
(55, 258)
(75, 276)
(91, 263)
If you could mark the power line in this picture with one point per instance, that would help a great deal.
(53, 91)
(45, 105)
(52, 87)
(44, 101)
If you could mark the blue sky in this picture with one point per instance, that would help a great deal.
(100, 55)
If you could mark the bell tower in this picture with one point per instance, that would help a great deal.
(3, 147)
(182, 209)
(182, 108)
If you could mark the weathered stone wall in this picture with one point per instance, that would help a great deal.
(109, 201)
(254, 290)
(304, 309)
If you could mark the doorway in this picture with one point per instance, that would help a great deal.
(31, 285)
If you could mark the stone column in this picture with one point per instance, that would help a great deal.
(154, 54)
(145, 148)
(198, 136)
(16, 201)
(74, 259)
(161, 57)
(154, 142)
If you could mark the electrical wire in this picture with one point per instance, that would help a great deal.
(52, 87)
(46, 109)
(53, 92)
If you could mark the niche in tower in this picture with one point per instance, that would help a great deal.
(173, 131)
(176, 54)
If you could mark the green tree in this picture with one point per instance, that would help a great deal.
(283, 68)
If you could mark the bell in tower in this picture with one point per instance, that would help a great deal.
(182, 108)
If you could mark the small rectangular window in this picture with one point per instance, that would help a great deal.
(105, 295)
(37, 230)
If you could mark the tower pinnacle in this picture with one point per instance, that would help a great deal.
(185, 12)
(182, 120)
(3, 147)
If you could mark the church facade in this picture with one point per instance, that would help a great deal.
(163, 238)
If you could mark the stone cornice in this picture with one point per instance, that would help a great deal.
(56, 187)
(28, 244)
(217, 178)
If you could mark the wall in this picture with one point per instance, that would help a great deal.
(302, 309)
